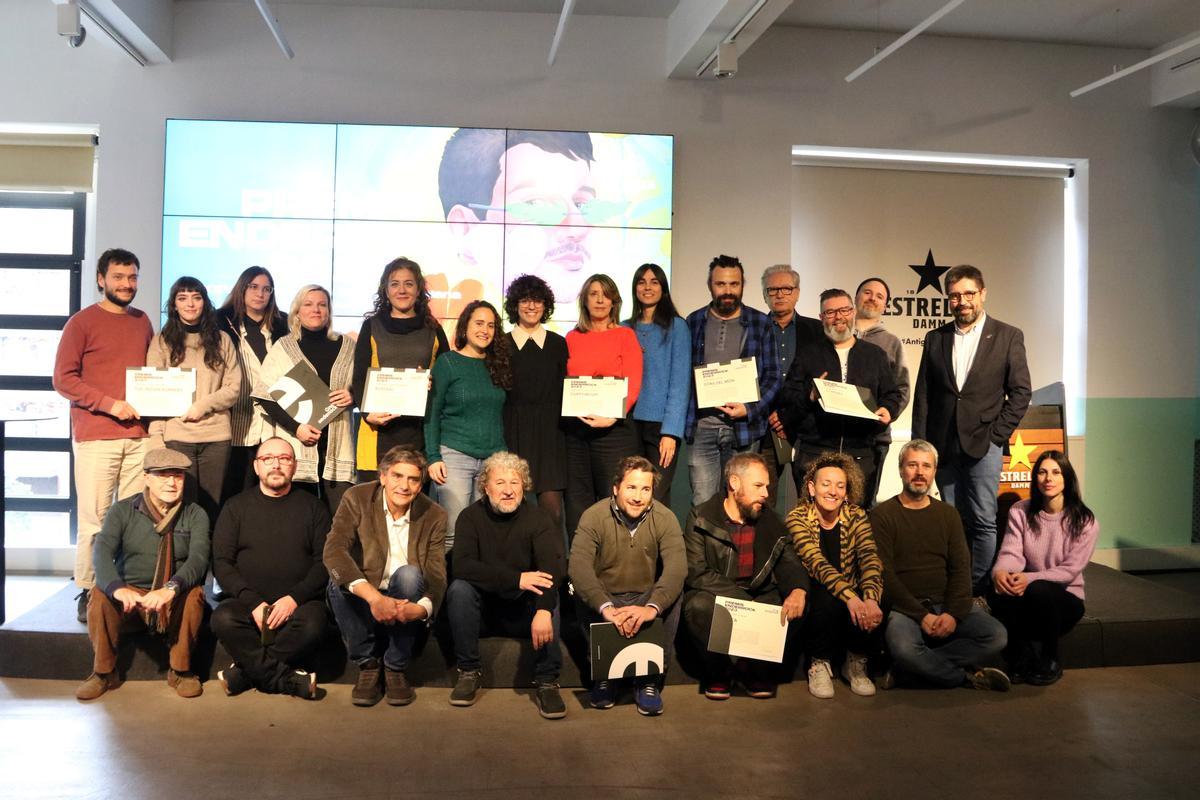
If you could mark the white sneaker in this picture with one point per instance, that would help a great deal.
(854, 670)
(820, 679)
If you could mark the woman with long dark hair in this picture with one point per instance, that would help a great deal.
(661, 408)
(252, 319)
(600, 347)
(465, 423)
(324, 458)
(1037, 581)
(192, 338)
(531, 413)
(399, 332)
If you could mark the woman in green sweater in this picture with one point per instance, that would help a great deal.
(465, 423)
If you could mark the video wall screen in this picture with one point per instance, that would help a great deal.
(476, 207)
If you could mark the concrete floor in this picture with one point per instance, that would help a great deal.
(1118, 732)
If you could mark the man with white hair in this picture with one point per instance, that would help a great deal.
(508, 566)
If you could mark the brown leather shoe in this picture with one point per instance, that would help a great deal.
(96, 685)
(398, 692)
(185, 684)
(366, 691)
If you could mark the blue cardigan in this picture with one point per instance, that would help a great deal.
(666, 375)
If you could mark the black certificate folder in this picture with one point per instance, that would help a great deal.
(303, 396)
(615, 657)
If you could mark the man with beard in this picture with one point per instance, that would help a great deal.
(972, 390)
(508, 567)
(98, 344)
(614, 567)
(738, 547)
(722, 331)
(934, 632)
(837, 357)
(870, 302)
(267, 550)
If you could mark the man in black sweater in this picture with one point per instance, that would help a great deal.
(508, 567)
(267, 557)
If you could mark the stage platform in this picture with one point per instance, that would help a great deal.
(1130, 621)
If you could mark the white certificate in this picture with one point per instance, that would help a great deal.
(845, 398)
(396, 391)
(594, 397)
(160, 392)
(727, 382)
(746, 628)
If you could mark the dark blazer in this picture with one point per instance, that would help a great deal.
(993, 398)
(712, 556)
(357, 545)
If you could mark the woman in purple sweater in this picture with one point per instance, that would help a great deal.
(1038, 578)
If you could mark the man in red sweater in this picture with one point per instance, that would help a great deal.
(97, 346)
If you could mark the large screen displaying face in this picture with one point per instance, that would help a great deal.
(475, 207)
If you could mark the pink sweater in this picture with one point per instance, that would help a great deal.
(1049, 554)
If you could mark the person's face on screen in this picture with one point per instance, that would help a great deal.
(258, 295)
(966, 300)
(402, 292)
(189, 305)
(530, 311)
(119, 284)
(314, 311)
(782, 293)
(828, 489)
(725, 284)
(635, 492)
(871, 300)
(649, 290)
(599, 306)
(504, 489)
(542, 196)
(481, 329)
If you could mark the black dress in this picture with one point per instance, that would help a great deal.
(533, 410)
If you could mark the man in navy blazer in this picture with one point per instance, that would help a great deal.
(972, 391)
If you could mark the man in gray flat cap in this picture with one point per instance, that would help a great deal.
(150, 557)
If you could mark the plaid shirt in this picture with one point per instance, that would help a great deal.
(757, 341)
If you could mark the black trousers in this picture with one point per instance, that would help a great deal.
(239, 475)
(828, 630)
(1046, 612)
(649, 434)
(592, 458)
(294, 641)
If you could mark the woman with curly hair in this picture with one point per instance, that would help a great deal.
(532, 426)
(399, 332)
(1037, 582)
(466, 405)
(192, 338)
(833, 537)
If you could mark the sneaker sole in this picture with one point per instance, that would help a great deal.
(401, 702)
(365, 701)
(647, 713)
(463, 703)
(718, 695)
(603, 706)
(552, 714)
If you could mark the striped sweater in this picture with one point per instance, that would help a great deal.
(860, 573)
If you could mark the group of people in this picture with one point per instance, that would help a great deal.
(492, 502)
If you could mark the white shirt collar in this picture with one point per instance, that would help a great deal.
(521, 336)
(976, 326)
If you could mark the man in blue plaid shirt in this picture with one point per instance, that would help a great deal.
(722, 331)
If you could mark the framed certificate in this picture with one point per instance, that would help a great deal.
(746, 628)
(594, 397)
(727, 382)
(160, 391)
(846, 398)
(404, 392)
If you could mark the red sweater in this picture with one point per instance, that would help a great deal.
(614, 353)
(96, 348)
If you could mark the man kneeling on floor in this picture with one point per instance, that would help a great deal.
(508, 567)
(386, 556)
(614, 568)
(738, 547)
(150, 558)
(934, 632)
(267, 550)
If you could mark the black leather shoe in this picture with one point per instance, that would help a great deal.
(1045, 673)
(81, 601)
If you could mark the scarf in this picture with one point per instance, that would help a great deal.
(164, 561)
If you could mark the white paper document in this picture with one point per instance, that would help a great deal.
(396, 391)
(727, 382)
(594, 397)
(845, 398)
(160, 391)
(749, 629)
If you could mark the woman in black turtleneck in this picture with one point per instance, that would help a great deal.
(324, 459)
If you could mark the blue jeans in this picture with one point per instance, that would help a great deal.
(364, 637)
(710, 450)
(978, 638)
(473, 612)
(970, 485)
(459, 490)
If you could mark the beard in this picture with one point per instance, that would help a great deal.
(836, 336)
(115, 300)
(968, 318)
(916, 490)
(748, 512)
(869, 313)
(726, 304)
(502, 506)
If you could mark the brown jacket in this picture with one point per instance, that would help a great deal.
(357, 545)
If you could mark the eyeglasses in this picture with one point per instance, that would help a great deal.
(958, 297)
(530, 302)
(779, 291)
(282, 461)
(557, 210)
(265, 288)
(844, 311)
